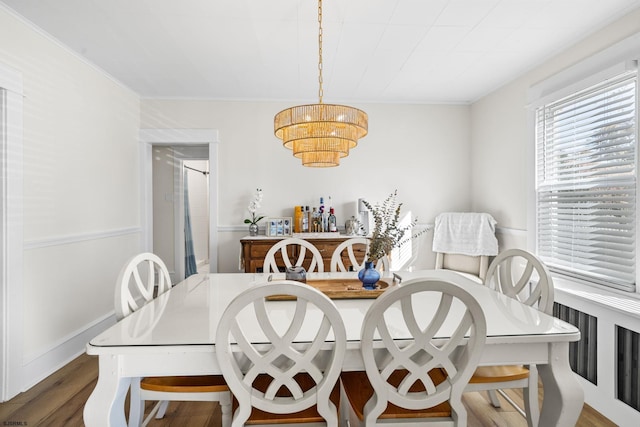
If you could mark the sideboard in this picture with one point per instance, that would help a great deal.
(255, 248)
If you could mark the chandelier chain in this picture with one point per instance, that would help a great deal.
(320, 90)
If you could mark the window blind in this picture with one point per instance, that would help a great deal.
(586, 183)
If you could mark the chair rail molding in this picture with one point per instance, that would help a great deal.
(11, 235)
(176, 137)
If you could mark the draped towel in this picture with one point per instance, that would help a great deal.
(466, 233)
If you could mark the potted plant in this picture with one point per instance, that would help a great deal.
(253, 207)
(387, 234)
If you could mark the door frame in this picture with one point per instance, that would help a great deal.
(176, 137)
(11, 235)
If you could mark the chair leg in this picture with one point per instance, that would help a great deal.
(493, 397)
(225, 409)
(162, 409)
(153, 412)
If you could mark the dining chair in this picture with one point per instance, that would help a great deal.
(142, 278)
(520, 275)
(290, 247)
(419, 378)
(274, 379)
(464, 241)
(355, 250)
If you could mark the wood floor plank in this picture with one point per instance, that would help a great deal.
(58, 401)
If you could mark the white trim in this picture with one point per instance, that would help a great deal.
(178, 136)
(11, 286)
(40, 366)
(611, 61)
(149, 137)
(77, 238)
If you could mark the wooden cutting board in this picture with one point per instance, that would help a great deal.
(341, 289)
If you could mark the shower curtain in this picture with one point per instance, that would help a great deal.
(189, 254)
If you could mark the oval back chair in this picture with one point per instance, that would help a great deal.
(275, 374)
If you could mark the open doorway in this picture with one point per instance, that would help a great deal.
(181, 220)
(182, 140)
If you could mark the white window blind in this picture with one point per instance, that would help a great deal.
(586, 183)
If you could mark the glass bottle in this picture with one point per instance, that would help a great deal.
(305, 220)
(332, 222)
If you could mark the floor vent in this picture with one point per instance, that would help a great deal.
(628, 368)
(583, 355)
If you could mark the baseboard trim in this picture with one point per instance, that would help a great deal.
(38, 367)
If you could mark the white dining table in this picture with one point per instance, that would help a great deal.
(175, 335)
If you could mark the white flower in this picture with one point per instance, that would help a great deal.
(254, 204)
(253, 207)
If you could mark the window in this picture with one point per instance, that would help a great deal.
(586, 169)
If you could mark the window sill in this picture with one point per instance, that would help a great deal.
(626, 303)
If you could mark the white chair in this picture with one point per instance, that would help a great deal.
(464, 241)
(293, 247)
(143, 277)
(418, 380)
(356, 255)
(522, 276)
(275, 380)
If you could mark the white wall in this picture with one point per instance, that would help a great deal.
(80, 198)
(502, 181)
(163, 206)
(421, 150)
(501, 150)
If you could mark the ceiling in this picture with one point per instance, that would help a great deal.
(388, 51)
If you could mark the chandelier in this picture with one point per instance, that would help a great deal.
(320, 134)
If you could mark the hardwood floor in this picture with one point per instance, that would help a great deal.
(59, 400)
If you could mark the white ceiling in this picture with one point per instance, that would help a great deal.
(408, 51)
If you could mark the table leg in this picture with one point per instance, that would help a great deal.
(105, 406)
(563, 396)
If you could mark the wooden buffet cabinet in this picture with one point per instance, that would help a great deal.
(255, 248)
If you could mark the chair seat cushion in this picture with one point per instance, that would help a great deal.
(185, 384)
(496, 374)
(358, 390)
(309, 415)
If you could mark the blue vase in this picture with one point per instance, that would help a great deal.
(369, 276)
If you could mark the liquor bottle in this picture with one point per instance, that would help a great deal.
(308, 216)
(332, 222)
(323, 216)
(305, 220)
(315, 221)
(297, 219)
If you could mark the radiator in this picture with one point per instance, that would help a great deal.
(583, 354)
(628, 367)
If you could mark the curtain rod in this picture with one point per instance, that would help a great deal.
(202, 172)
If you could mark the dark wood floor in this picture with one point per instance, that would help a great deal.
(59, 399)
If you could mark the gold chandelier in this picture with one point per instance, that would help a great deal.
(320, 134)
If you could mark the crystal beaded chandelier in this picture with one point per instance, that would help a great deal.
(320, 134)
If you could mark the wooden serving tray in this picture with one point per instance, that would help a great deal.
(341, 289)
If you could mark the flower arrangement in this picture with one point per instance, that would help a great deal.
(253, 207)
(387, 231)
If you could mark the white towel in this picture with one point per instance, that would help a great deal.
(465, 233)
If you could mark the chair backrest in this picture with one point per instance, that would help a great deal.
(142, 277)
(475, 265)
(250, 345)
(521, 275)
(456, 357)
(464, 241)
(286, 248)
(356, 259)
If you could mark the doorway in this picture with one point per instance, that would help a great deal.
(186, 145)
(181, 208)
